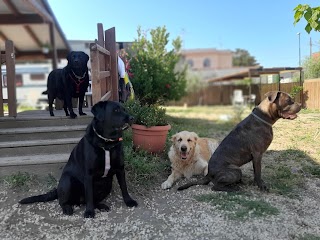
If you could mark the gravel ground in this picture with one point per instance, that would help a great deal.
(168, 214)
(162, 214)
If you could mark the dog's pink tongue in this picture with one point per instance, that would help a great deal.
(183, 155)
(290, 116)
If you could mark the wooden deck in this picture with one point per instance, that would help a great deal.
(44, 114)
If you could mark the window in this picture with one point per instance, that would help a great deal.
(4, 81)
(19, 82)
(206, 63)
(37, 77)
(190, 63)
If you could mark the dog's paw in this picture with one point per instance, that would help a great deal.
(102, 207)
(67, 210)
(89, 214)
(131, 203)
(166, 185)
(73, 115)
(262, 185)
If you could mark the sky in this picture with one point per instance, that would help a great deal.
(262, 27)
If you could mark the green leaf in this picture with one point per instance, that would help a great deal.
(308, 28)
(308, 15)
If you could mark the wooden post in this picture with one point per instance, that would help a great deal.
(100, 35)
(95, 80)
(54, 47)
(11, 78)
(110, 44)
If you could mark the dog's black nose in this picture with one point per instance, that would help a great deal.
(183, 148)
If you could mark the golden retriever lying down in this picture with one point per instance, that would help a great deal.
(189, 155)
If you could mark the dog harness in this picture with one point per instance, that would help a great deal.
(78, 81)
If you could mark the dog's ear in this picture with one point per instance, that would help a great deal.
(69, 56)
(272, 95)
(86, 57)
(174, 137)
(195, 136)
(98, 110)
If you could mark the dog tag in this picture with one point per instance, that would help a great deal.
(107, 163)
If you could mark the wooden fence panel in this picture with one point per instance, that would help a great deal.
(222, 95)
(311, 91)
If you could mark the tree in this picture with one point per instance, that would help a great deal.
(242, 57)
(156, 75)
(311, 68)
(311, 15)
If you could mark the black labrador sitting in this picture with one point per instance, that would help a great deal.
(70, 82)
(88, 174)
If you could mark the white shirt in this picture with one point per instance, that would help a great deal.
(121, 68)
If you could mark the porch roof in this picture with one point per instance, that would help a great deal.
(254, 72)
(31, 25)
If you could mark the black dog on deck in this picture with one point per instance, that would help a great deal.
(70, 82)
(88, 174)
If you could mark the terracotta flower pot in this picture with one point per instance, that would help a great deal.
(152, 139)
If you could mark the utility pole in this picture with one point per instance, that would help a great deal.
(310, 48)
(299, 50)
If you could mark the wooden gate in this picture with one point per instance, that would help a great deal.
(8, 57)
(104, 69)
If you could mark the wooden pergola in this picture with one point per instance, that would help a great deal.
(30, 28)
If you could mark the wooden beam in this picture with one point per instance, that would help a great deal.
(11, 7)
(110, 44)
(100, 34)
(104, 74)
(95, 81)
(33, 36)
(106, 97)
(40, 10)
(5, 38)
(54, 47)
(11, 78)
(9, 19)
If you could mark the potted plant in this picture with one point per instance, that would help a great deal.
(150, 128)
(157, 76)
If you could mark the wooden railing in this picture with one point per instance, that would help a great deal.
(8, 58)
(104, 72)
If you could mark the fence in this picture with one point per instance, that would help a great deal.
(311, 93)
(222, 94)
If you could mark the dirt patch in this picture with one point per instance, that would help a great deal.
(168, 214)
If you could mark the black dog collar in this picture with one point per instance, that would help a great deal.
(260, 119)
(78, 77)
(106, 139)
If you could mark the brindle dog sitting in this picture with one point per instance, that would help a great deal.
(247, 142)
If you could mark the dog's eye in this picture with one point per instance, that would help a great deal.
(189, 140)
(180, 139)
(117, 110)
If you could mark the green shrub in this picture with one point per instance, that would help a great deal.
(148, 115)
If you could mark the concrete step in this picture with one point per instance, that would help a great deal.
(34, 133)
(37, 147)
(23, 122)
(34, 159)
